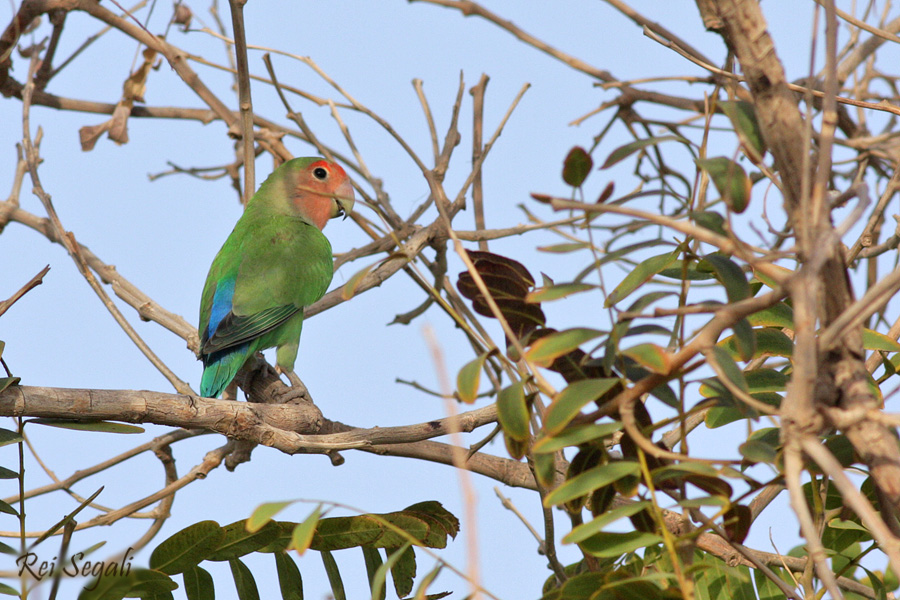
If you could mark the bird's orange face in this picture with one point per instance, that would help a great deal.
(322, 191)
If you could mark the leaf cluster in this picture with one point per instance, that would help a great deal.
(387, 542)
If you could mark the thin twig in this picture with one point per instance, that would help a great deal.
(245, 101)
(32, 283)
(477, 92)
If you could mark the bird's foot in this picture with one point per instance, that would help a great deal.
(297, 390)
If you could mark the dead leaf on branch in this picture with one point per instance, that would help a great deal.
(117, 127)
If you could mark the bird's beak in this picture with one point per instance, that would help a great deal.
(343, 201)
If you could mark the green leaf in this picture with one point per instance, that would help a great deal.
(573, 436)
(512, 412)
(641, 274)
(336, 533)
(762, 385)
(198, 584)
(778, 315)
(577, 166)
(769, 281)
(105, 588)
(433, 509)
(238, 541)
(302, 536)
(606, 544)
(7, 473)
(686, 270)
(334, 576)
(729, 274)
(8, 509)
(743, 118)
(98, 426)
(586, 530)
(545, 469)
(766, 380)
(8, 591)
(264, 513)
(730, 368)
(516, 449)
(146, 583)
(139, 583)
(745, 340)
(769, 341)
(585, 483)
(548, 348)
(243, 580)
(842, 524)
(6, 382)
(758, 451)
(7, 549)
(9, 437)
(469, 379)
(766, 588)
(572, 399)
(650, 356)
(372, 558)
(403, 575)
(289, 580)
(730, 180)
(872, 340)
(187, 548)
(719, 416)
(586, 459)
(664, 394)
(437, 528)
(403, 571)
(623, 152)
(577, 587)
(842, 450)
(410, 526)
(427, 523)
(557, 291)
(710, 220)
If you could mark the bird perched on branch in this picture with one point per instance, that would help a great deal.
(275, 263)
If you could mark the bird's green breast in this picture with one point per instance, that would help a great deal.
(285, 261)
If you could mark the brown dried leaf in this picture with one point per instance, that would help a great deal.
(89, 134)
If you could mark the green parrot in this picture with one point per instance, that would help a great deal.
(275, 263)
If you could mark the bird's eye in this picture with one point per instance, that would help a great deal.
(320, 173)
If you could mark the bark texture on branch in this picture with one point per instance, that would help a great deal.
(294, 427)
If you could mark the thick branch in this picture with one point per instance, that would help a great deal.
(291, 428)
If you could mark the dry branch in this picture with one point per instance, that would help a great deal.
(290, 428)
(839, 376)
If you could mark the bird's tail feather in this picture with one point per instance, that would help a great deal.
(220, 368)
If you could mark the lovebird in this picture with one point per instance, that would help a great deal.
(275, 263)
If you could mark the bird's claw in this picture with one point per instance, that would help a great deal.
(297, 389)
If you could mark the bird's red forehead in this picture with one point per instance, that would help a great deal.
(328, 166)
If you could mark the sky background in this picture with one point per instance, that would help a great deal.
(162, 236)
